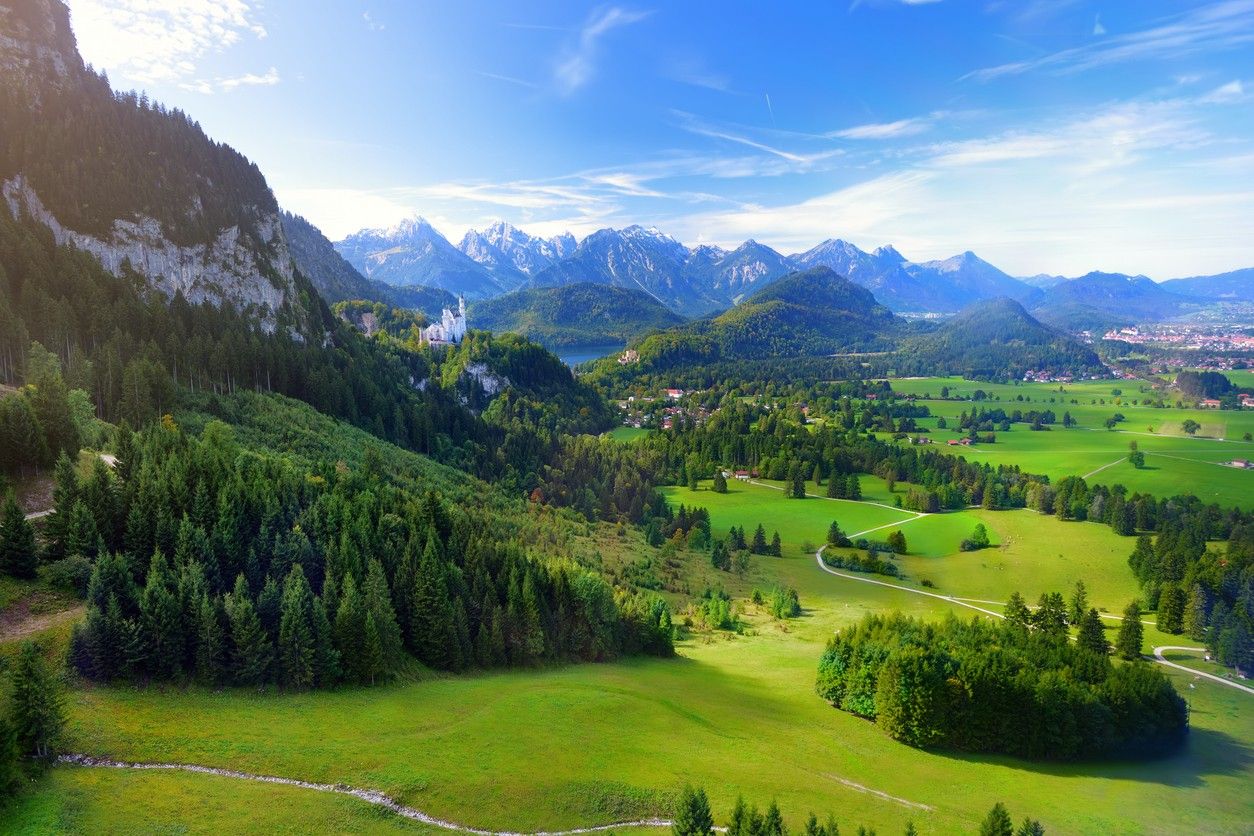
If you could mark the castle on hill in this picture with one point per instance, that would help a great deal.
(451, 328)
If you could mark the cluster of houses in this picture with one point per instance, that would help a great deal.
(1240, 464)
(1247, 402)
(646, 412)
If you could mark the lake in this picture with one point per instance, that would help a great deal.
(576, 354)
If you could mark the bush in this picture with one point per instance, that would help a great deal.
(71, 574)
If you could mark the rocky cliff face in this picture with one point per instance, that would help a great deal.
(225, 270)
(152, 193)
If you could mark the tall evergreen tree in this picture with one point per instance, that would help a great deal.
(161, 620)
(1131, 633)
(18, 557)
(379, 605)
(64, 498)
(296, 635)
(692, 814)
(1092, 633)
(253, 651)
(1017, 612)
(36, 708)
(1079, 603)
(350, 632)
(997, 822)
(210, 642)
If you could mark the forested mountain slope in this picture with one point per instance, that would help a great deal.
(571, 315)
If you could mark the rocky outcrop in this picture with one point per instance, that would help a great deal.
(229, 270)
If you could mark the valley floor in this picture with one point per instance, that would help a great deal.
(595, 744)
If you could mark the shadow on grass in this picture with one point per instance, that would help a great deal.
(1205, 753)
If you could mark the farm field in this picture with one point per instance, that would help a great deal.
(1175, 462)
(735, 713)
(626, 434)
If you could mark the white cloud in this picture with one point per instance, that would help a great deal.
(1222, 25)
(509, 79)
(885, 130)
(372, 24)
(1098, 29)
(694, 125)
(1230, 92)
(149, 42)
(339, 212)
(226, 85)
(577, 64)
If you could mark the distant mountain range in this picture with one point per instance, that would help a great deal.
(697, 281)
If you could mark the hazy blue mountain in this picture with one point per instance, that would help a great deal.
(1099, 300)
(1237, 285)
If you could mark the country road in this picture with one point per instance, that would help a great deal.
(964, 602)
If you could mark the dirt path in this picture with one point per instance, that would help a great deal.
(369, 796)
(17, 621)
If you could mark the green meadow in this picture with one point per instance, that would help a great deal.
(594, 744)
(1174, 461)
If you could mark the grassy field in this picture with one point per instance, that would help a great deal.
(1175, 462)
(736, 713)
(625, 434)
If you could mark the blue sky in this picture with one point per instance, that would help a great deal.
(1051, 137)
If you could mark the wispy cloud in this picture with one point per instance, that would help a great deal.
(886, 130)
(521, 82)
(694, 125)
(160, 41)
(577, 64)
(372, 24)
(1098, 29)
(1230, 92)
(1218, 26)
(229, 83)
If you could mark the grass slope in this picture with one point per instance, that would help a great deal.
(735, 713)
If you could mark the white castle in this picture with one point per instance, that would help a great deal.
(451, 327)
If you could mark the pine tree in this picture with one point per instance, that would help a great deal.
(853, 487)
(720, 481)
(80, 531)
(350, 632)
(835, 536)
(1030, 827)
(692, 815)
(1195, 613)
(773, 824)
(777, 548)
(1079, 603)
(64, 498)
(797, 482)
(326, 661)
(378, 599)
(18, 557)
(1017, 612)
(161, 621)
(897, 542)
(296, 639)
(1171, 609)
(253, 652)
(1131, 633)
(997, 822)
(372, 653)
(210, 648)
(835, 486)
(432, 612)
(1092, 633)
(36, 708)
(759, 540)
(738, 824)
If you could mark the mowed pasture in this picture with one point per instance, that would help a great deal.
(1175, 462)
(594, 744)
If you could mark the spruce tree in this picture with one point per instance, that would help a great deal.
(797, 483)
(692, 814)
(64, 498)
(1017, 612)
(835, 536)
(773, 823)
(1030, 827)
(253, 652)
(835, 486)
(36, 709)
(720, 481)
(1131, 633)
(853, 487)
(1195, 614)
(378, 599)
(161, 621)
(777, 548)
(1092, 633)
(326, 661)
(432, 612)
(1171, 606)
(1079, 603)
(210, 644)
(296, 638)
(350, 632)
(18, 557)
(372, 663)
(997, 822)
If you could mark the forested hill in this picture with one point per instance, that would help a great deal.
(805, 314)
(995, 340)
(338, 281)
(134, 183)
(572, 315)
